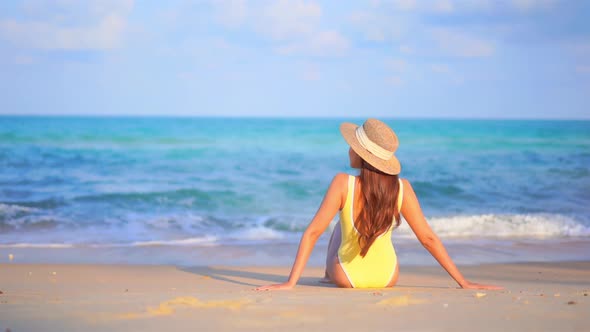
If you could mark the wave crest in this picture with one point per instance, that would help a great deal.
(505, 226)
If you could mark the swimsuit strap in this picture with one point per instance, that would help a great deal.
(400, 196)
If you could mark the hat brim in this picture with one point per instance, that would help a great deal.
(391, 166)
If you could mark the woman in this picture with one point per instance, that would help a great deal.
(360, 253)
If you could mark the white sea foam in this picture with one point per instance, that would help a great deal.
(193, 241)
(504, 226)
(9, 210)
(37, 245)
(257, 234)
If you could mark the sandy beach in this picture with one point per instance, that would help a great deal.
(162, 160)
(75, 297)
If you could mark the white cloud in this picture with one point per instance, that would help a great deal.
(286, 19)
(367, 22)
(580, 52)
(457, 79)
(523, 4)
(451, 6)
(404, 4)
(73, 12)
(324, 43)
(444, 6)
(394, 80)
(24, 60)
(440, 68)
(293, 26)
(482, 5)
(395, 70)
(458, 43)
(106, 7)
(311, 73)
(231, 13)
(381, 27)
(105, 35)
(186, 75)
(447, 72)
(528, 5)
(397, 65)
(103, 26)
(440, 6)
(581, 49)
(405, 49)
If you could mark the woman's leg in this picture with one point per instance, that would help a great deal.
(334, 272)
(333, 245)
(337, 274)
(332, 251)
(395, 276)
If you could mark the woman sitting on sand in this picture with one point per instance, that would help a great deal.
(360, 252)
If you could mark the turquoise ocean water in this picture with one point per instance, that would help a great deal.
(105, 182)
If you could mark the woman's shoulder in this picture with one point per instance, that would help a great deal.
(408, 190)
(405, 182)
(341, 179)
(339, 186)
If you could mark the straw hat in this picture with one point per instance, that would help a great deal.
(375, 142)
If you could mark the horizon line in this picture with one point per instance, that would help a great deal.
(324, 117)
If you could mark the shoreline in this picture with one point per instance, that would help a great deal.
(91, 297)
(410, 253)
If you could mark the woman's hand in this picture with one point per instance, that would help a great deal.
(283, 286)
(472, 285)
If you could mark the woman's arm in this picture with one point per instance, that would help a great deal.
(332, 202)
(413, 214)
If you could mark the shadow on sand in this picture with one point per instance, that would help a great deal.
(249, 278)
(239, 276)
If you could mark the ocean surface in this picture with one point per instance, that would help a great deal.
(124, 182)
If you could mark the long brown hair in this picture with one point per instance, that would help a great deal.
(378, 190)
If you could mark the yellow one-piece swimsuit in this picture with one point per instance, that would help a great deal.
(376, 269)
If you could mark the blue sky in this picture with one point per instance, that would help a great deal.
(396, 58)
